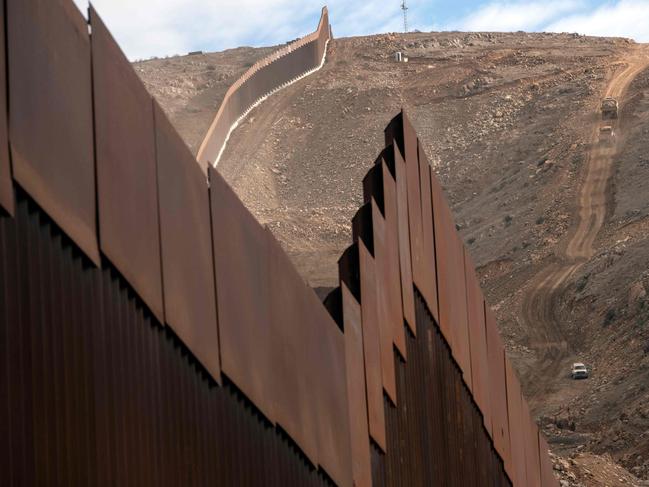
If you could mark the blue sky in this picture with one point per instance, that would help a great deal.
(146, 28)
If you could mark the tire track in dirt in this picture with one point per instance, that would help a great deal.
(546, 335)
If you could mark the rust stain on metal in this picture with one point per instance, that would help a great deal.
(126, 168)
(50, 96)
(359, 429)
(371, 346)
(392, 256)
(185, 232)
(241, 261)
(405, 262)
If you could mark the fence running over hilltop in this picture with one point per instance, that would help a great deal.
(294, 61)
(153, 333)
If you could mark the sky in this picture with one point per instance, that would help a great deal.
(148, 28)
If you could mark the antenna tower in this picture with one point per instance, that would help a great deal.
(404, 7)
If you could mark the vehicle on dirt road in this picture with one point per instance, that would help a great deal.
(578, 371)
(607, 135)
(609, 108)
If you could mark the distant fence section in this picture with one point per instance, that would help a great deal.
(153, 333)
(292, 62)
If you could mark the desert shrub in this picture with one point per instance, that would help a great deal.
(610, 316)
(581, 283)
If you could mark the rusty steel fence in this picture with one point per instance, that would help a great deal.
(266, 76)
(153, 333)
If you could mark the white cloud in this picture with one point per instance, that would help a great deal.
(146, 28)
(512, 16)
(625, 18)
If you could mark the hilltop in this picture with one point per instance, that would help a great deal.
(510, 123)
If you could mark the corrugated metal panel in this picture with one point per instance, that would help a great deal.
(51, 126)
(392, 247)
(126, 168)
(102, 395)
(517, 426)
(359, 429)
(241, 260)
(293, 346)
(478, 340)
(405, 261)
(371, 346)
(384, 312)
(435, 434)
(6, 186)
(429, 290)
(185, 230)
(497, 389)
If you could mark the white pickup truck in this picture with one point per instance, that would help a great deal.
(579, 371)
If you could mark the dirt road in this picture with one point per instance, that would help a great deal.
(548, 376)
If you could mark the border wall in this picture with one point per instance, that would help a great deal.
(153, 333)
(294, 61)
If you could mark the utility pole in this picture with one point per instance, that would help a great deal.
(404, 7)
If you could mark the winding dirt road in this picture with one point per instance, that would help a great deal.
(541, 299)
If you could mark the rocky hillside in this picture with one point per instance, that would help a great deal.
(508, 121)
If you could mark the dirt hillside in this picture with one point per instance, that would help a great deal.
(555, 219)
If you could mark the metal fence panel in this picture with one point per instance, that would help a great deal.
(293, 348)
(392, 255)
(371, 346)
(497, 389)
(126, 168)
(359, 429)
(435, 433)
(517, 426)
(185, 231)
(548, 479)
(428, 238)
(405, 258)
(452, 287)
(382, 303)
(531, 438)
(478, 340)
(331, 404)
(102, 395)
(6, 185)
(241, 260)
(51, 113)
